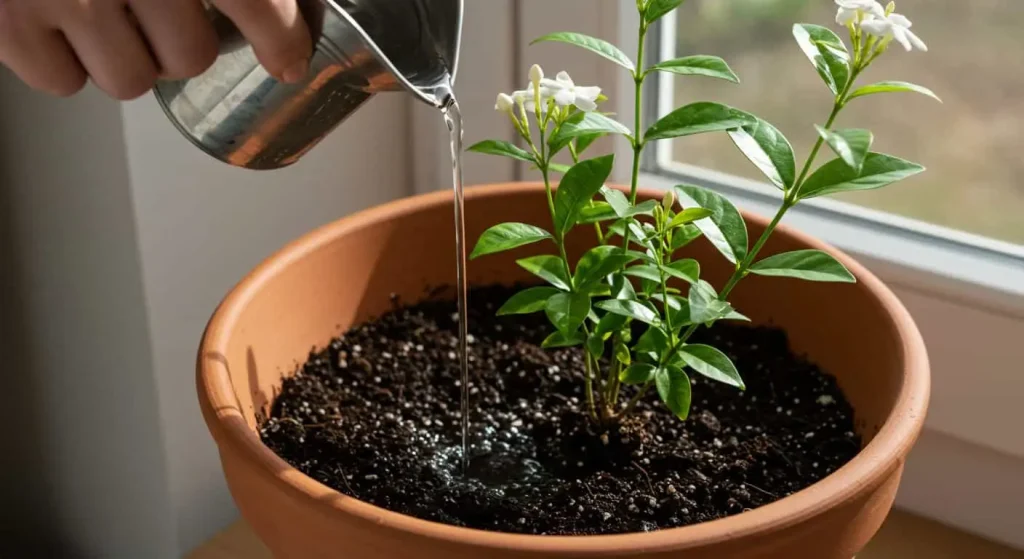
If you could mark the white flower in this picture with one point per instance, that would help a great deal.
(567, 93)
(529, 100)
(856, 11)
(505, 103)
(536, 75)
(894, 26)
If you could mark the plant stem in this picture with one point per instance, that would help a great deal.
(638, 143)
(589, 387)
(631, 405)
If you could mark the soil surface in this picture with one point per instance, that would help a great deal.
(376, 416)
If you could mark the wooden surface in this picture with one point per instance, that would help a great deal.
(902, 537)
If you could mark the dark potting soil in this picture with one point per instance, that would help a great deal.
(376, 416)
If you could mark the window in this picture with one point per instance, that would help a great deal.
(971, 144)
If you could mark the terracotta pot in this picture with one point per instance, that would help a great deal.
(343, 273)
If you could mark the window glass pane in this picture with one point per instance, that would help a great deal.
(972, 145)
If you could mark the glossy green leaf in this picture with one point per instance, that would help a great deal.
(593, 44)
(674, 389)
(609, 323)
(684, 236)
(712, 364)
(656, 9)
(548, 268)
(698, 118)
(733, 315)
(689, 215)
(621, 352)
(827, 52)
(598, 262)
(811, 265)
(892, 87)
(768, 150)
(507, 236)
(567, 311)
(700, 65)
(530, 300)
(595, 346)
(585, 124)
(725, 228)
(631, 309)
(654, 341)
(584, 141)
(596, 212)
(704, 303)
(577, 188)
(686, 269)
(646, 271)
(622, 288)
(557, 339)
(556, 167)
(499, 147)
(620, 204)
(851, 145)
(836, 176)
(637, 373)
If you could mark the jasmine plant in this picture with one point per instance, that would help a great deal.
(635, 272)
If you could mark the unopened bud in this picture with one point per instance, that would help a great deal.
(668, 200)
(505, 103)
(536, 74)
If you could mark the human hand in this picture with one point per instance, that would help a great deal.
(124, 46)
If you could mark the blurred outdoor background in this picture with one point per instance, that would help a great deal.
(971, 145)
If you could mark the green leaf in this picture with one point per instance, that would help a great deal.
(507, 236)
(530, 300)
(851, 145)
(584, 141)
(557, 339)
(700, 65)
(598, 262)
(689, 215)
(686, 269)
(595, 212)
(622, 288)
(678, 309)
(892, 86)
(768, 150)
(811, 265)
(698, 118)
(656, 9)
(609, 323)
(647, 272)
(593, 44)
(704, 303)
(585, 124)
(622, 353)
(725, 228)
(567, 311)
(712, 364)
(631, 309)
(595, 346)
(577, 188)
(499, 147)
(548, 268)
(836, 176)
(621, 206)
(684, 236)
(827, 52)
(637, 373)
(674, 389)
(654, 341)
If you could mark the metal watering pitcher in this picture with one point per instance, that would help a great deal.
(240, 114)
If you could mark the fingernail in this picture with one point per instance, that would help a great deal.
(296, 72)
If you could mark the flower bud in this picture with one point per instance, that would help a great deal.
(668, 200)
(536, 74)
(505, 103)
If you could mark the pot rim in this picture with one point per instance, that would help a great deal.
(875, 462)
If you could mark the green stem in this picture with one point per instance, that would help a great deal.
(638, 143)
(631, 404)
(589, 387)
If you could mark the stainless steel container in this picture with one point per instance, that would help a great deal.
(240, 114)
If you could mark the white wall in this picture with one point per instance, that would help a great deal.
(117, 241)
(201, 226)
(82, 470)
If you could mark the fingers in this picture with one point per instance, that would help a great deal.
(180, 35)
(110, 48)
(39, 56)
(277, 32)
